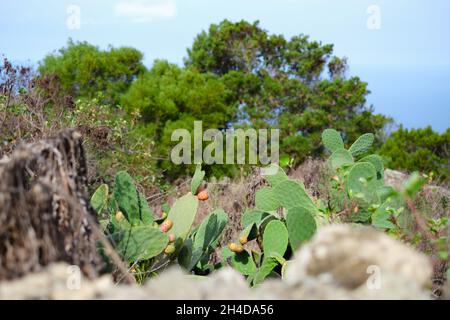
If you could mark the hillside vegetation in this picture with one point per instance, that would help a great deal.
(148, 213)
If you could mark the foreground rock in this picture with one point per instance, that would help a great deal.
(45, 215)
(341, 262)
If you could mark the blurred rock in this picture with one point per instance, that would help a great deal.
(362, 261)
(340, 262)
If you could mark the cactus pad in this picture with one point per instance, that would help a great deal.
(377, 162)
(274, 174)
(197, 179)
(341, 158)
(183, 214)
(242, 262)
(301, 226)
(99, 200)
(292, 194)
(266, 200)
(140, 243)
(275, 238)
(332, 140)
(253, 216)
(361, 180)
(362, 144)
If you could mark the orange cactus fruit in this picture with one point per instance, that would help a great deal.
(119, 216)
(172, 237)
(169, 249)
(203, 195)
(235, 247)
(243, 240)
(166, 225)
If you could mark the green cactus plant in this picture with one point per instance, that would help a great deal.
(377, 162)
(253, 216)
(197, 179)
(267, 267)
(341, 158)
(243, 262)
(198, 248)
(274, 174)
(140, 242)
(130, 201)
(332, 140)
(301, 226)
(275, 238)
(99, 200)
(362, 181)
(362, 145)
(266, 199)
(292, 194)
(182, 214)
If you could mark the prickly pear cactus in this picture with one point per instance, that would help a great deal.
(341, 158)
(242, 261)
(301, 226)
(361, 181)
(292, 194)
(377, 162)
(265, 270)
(130, 201)
(197, 179)
(210, 229)
(253, 216)
(332, 140)
(381, 218)
(249, 233)
(275, 238)
(182, 214)
(266, 200)
(140, 243)
(274, 174)
(99, 200)
(362, 145)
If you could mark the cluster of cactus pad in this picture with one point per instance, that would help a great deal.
(284, 217)
(130, 221)
(360, 179)
(138, 236)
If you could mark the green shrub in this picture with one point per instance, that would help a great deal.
(419, 149)
(83, 70)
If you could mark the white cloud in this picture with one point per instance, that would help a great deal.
(143, 11)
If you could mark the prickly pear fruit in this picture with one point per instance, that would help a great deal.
(166, 225)
(169, 249)
(119, 216)
(243, 240)
(203, 195)
(235, 247)
(172, 237)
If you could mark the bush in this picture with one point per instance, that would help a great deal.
(419, 149)
(169, 98)
(84, 70)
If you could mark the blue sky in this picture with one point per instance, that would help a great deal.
(406, 61)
